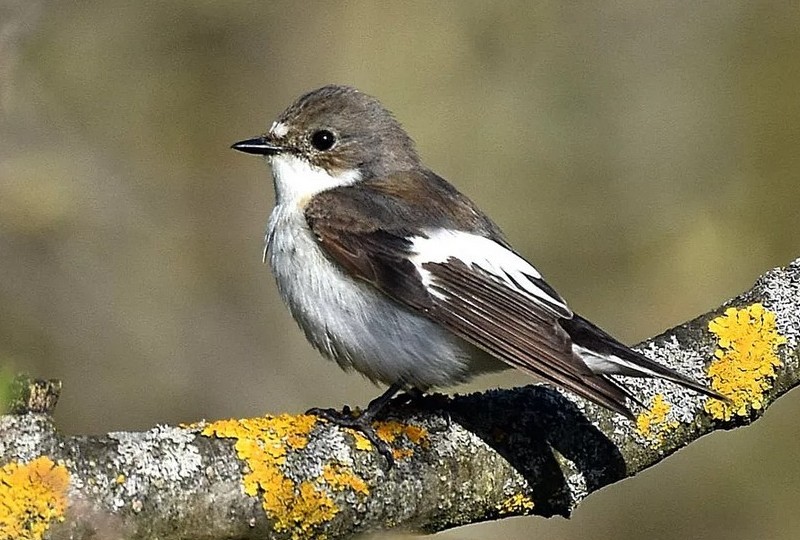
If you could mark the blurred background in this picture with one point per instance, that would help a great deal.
(644, 155)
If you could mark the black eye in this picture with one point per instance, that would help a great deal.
(323, 140)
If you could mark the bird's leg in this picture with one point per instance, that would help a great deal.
(363, 421)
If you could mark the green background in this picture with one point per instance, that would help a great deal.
(643, 155)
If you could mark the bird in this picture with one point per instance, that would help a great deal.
(390, 271)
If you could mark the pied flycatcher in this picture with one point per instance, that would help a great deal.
(391, 271)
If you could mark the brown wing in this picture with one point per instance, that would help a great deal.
(511, 327)
(365, 230)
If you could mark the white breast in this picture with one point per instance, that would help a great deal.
(356, 325)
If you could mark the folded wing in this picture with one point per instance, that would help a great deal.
(469, 282)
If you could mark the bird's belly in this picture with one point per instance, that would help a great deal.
(356, 325)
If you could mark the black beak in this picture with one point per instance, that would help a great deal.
(258, 145)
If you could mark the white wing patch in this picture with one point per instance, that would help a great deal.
(611, 364)
(507, 267)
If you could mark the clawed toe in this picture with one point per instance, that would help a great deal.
(330, 414)
(361, 423)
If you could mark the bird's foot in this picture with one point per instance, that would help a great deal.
(360, 422)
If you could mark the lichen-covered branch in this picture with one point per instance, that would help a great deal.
(458, 460)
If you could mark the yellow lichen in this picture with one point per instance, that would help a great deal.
(340, 478)
(263, 444)
(653, 424)
(400, 454)
(389, 431)
(516, 504)
(362, 443)
(311, 507)
(32, 496)
(416, 434)
(745, 360)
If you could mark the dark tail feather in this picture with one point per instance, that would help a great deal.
(606, 355)
(607, 393)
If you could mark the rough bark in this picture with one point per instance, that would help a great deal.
(459, 460)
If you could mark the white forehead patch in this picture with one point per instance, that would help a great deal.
(278, 129)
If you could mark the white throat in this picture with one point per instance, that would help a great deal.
(297, 180)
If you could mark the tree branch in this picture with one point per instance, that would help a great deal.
(458, 460)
